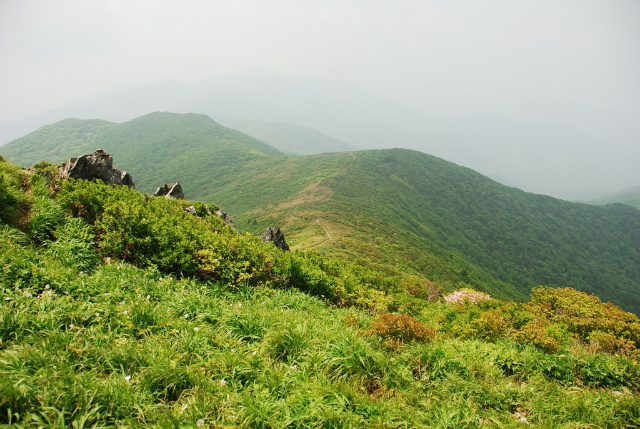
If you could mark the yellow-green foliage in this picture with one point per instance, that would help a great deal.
(398, 329)
(586, 316)
(235, 339)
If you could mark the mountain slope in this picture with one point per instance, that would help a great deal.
(123, 310)
(387, 205)
(156, 148)
(292, 139)
(396, 210)
(630, 196)
(574, 167)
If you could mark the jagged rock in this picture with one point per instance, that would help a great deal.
(192, 210)
(96, 166)
(276, 236)
(227, 219)
(171, 190)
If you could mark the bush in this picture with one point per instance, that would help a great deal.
(466, 296)
(398, 329)
(46, 215)
(542, 334)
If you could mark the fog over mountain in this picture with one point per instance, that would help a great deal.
(538, 94)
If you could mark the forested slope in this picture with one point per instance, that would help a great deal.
(397, 211)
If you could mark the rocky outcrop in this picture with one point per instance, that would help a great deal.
(191, 210)
(276, 236)
(227, 220)
(94, 167)
(171, 190)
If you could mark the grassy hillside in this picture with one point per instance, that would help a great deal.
(396, 211)
(413, 211)
(156, 148)
(122, 310)
(292, 139)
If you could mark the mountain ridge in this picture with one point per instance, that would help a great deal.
(573, 168)
(394, 209)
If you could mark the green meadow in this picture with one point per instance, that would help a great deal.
(122, 310)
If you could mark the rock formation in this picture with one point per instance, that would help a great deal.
(171, 190)
(227, 220)
(276, 236)
(94, 167)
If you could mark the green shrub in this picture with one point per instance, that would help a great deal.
(46, 215)
(542, 334)
(398, 329)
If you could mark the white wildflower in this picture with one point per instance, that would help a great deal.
(127, 377)
(196, 329)
(223, 382)
(200, 423)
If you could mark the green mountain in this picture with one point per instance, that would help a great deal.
(292, 139)
(118, 309)
(397, 211)
(629, 196)
(189, 148)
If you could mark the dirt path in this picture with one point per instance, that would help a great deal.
(326, 231)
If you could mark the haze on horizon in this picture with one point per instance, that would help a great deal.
(573, 63)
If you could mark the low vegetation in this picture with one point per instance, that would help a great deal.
(393, 211)
(122, 310)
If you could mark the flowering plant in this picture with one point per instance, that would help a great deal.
(466, 295)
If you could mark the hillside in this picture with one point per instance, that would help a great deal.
(412, 211)
(630, 196)
(397, 211)
(122, 310)
(575, 165)
(292, 139)
(157, 148)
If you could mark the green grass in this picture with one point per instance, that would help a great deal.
(93, 338)
(395, 211)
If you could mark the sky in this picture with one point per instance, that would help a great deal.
(567, 62)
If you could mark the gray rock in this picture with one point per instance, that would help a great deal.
(94, 167)
(171, 190)
(227, 219)
(276, 236)
(191, 209)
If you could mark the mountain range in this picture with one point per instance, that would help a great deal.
(397, 210)
(547, 159)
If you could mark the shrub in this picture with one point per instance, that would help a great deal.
(542, 334)
(398, 329)
(46, 215)
(466, 296)
(583, 314)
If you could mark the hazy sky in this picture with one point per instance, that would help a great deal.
(555, 61)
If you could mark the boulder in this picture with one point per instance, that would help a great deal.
(276, 236)
(94, 167)
(227, 220)
(171, 190)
